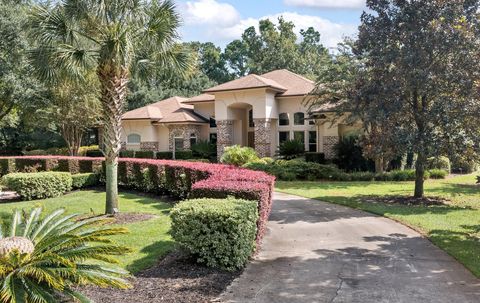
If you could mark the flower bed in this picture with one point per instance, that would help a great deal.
(178, 178)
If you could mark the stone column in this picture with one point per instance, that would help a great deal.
(224, 136)
(263, 140)
(149, 146)
(329, 143)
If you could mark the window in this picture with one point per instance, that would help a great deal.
(283, 119)
(213, 138)
(193, 139)
(178, 143)
(213, 122)
(312, 141)
(299, 136)
(250, 118)
(311, 122)
(299, 119)
(283, 136)
(134, 139)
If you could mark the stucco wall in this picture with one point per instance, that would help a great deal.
(257, 98)
(145, 129)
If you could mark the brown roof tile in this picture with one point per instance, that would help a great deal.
(200, 98)
(296, 85)
(247, 82)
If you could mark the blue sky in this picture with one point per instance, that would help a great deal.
(221, 21)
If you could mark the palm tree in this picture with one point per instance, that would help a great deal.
(42, 258)
(118, 38)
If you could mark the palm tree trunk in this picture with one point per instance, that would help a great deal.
(113, 93)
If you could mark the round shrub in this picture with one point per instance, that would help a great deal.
(439, 163)
(85, 180)
(42, 185)
(219, 232)
(238, 155)
(438, 173)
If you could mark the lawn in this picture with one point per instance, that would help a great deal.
(149, 239)
(454, 227)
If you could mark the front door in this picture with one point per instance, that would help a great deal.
(251, 139)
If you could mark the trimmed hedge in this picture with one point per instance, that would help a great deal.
(43, 185)
(181, 179)
(85, 180)
(315, 158)
(220, 233)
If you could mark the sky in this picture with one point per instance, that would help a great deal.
(221, 21)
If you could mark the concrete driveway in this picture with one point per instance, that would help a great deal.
(319, 252)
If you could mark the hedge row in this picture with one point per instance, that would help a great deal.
(178, 178)
(43, 185)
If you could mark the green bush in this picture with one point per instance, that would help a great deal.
(144, 154)
(439, 163)
(438, 173)
(462, 165)
(350, 155)
(165, 155)
(204, 150)
(183, 155)
(127, 154)
(85, 180)
(94, 153)
(38, 185)
(238, 155)
(291, 149)
(219, 232)
(315, 157)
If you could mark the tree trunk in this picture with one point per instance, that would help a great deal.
(113, 83)
(379, 165)
(420, 174)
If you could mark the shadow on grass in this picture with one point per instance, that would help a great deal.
(154, 252)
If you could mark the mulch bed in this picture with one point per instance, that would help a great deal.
(406, 200)
(175, 279)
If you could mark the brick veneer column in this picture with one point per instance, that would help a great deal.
(263, 140)
(183, 131)
(329, 143)
(224, 135)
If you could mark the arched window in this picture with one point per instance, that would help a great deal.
(283, 119)
(134, 139)
(299, 119)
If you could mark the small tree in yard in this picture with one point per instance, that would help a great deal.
(418, 77)
(116, 38)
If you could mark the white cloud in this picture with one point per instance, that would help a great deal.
(327, 3)
(210, 12)
(331, 33)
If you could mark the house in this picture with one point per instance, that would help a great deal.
(260, 111)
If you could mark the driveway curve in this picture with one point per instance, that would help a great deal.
(320, 252)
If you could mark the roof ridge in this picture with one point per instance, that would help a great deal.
(290, 72)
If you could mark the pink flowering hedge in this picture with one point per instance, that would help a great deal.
(177, 178)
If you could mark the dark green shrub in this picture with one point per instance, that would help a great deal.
(315, 158)
(71, 165)
(238, 155)
(144, 154)
(438, 173)
(362, 176)
(183, 155)
(439, 163)
(7, 166)
(85, 180)
(291, 149)
(127, 154)
(94, 153)
(165, 155)
(204, 150)
(218, 232)
(461, 165)
(39, 185)
(350, 155)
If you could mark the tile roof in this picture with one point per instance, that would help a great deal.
(296, 85)
(171, 110)
(200, 98)
(247, 82)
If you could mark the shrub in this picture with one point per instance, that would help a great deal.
(238, 155)
(127, 154)
(7, 165)
(438, 173)
(85, 180)
(144, 154)
(204, 150)
(439, 163)
(315, 158)
(291, 149)
(183, 154)
(220, 233)
(350, 155)
(39, 185)
(94, 153)
(462, 165)
(83, 150)
(35, 152)
(164, 155)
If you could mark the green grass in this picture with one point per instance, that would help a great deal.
(149, 239)
(454, 227)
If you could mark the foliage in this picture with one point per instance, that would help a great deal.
(315, 157)
(441, 162)
(85, 180)
(238, 155)
(42, 185)
(219, 233)
(204, 149)
(464, 165)
(350, 155)
(291, 149)
(49, 256)
(437, 173)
